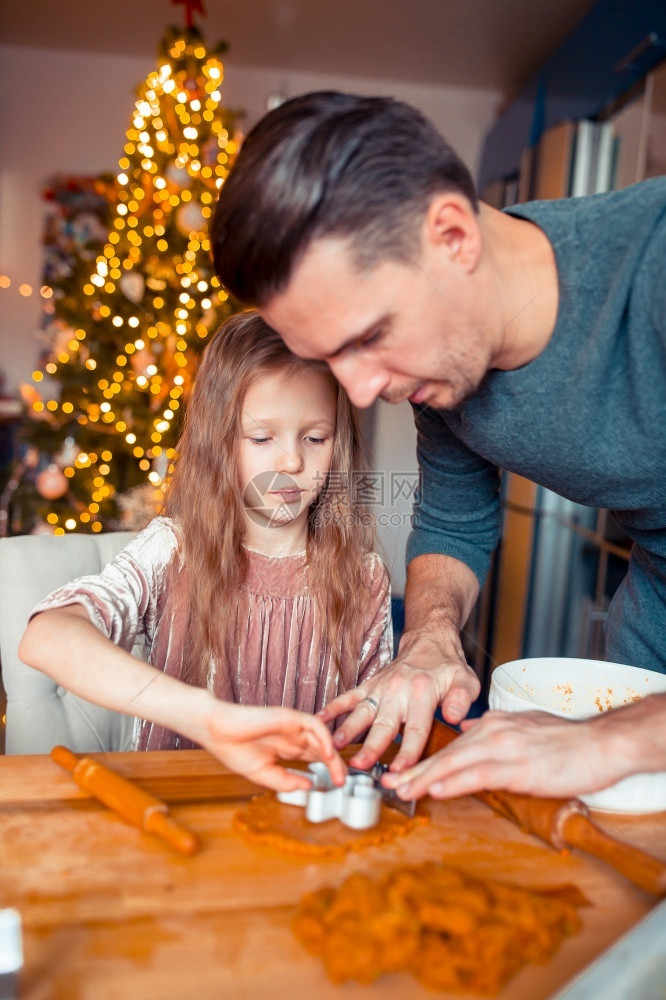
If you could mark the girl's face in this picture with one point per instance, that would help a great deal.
(286, 444)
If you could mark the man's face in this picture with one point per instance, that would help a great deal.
(394, 332)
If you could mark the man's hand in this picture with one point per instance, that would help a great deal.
(429, 670)
(542, 754)
(531, 752)
(250, 740)
(426, 673)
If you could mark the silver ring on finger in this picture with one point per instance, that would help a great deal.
(371, 701)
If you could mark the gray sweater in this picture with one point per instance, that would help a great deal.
(586, 418)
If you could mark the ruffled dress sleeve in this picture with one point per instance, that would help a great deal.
(126, 599)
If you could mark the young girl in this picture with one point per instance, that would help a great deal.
(258, 588)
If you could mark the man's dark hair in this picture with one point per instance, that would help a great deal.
(329, 164)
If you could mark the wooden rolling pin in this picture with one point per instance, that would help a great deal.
(564, 823)
(127, 799)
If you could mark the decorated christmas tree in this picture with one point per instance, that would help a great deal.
(130, 308)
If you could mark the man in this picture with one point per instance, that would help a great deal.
(532, 340)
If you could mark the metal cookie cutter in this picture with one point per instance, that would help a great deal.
(357, 803)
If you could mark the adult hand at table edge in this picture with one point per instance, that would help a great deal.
(251, 739)
(429, 671)
(533, 753)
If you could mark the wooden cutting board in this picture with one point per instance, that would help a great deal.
(110, 912)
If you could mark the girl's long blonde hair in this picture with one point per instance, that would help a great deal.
(205, 497)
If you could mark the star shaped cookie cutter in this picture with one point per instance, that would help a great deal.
(357, 803)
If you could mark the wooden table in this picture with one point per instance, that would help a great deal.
(110, 912)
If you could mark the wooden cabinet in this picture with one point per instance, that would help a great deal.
(611, 51)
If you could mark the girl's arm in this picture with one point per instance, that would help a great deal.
(64, 644)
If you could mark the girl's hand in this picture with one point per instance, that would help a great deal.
(250, 740)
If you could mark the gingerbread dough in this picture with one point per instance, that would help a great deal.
(451, 930)
(265, 820)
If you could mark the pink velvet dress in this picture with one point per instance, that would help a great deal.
(279, 655)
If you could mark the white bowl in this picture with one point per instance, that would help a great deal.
(574, 688)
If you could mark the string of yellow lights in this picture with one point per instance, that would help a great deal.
(151, 297)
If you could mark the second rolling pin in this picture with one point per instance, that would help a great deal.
(564, 823)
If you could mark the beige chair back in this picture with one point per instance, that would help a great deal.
(41, 713)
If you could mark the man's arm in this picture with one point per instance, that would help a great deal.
(429, 670)
(542, 754)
